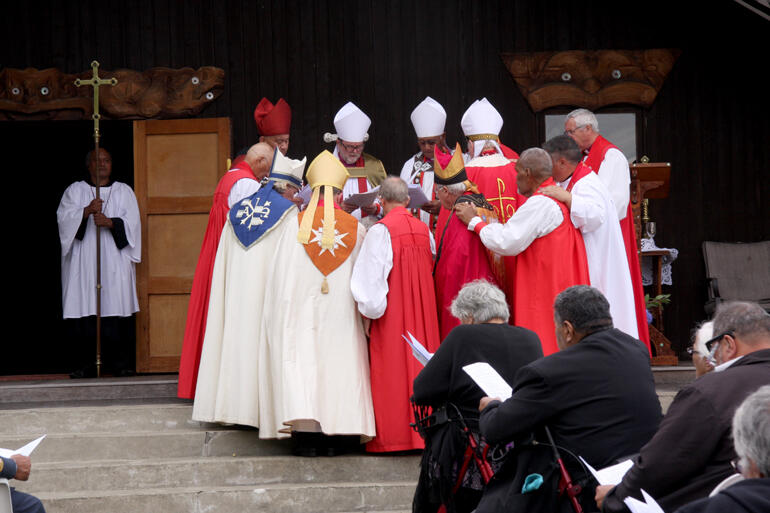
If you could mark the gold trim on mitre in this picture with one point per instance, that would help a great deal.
(326, 170)
(484, 137)
(454, 167)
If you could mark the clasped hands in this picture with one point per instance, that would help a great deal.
(95, 208)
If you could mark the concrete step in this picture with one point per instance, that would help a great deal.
(280, 498)
(110, 418)
(674, 375)
(72, 391)
(144, 445)
(218, 471)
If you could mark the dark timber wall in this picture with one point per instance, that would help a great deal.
(711, 119)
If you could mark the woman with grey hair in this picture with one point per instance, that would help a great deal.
(751, 438)
(483, 336)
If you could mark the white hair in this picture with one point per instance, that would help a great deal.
(481, 301)
(455, 189)
(702, 334)
(583, 117)
(751, 430)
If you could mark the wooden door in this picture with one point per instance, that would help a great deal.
(177, 164)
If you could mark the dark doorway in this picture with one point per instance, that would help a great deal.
(41, 158)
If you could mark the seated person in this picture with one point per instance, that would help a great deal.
(751, 437)
(596, 396)
(483, 336)
(18, 467)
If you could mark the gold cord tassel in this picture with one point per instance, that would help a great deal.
(327, 237)
(324, 286)
(303, 236)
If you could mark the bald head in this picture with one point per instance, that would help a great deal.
(533, 168)
(260, 158)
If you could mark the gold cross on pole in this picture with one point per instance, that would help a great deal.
(95, 81)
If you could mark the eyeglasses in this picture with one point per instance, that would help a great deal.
(570, 132)
(352, 147)
(712, 342)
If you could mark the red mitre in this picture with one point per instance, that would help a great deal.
(273, 119)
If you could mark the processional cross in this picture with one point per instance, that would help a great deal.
(95, 82)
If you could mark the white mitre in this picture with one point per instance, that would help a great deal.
(481, 119)
(287, 170)
(429, 118)
(351, 123)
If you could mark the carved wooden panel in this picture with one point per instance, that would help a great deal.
(590, 79)
(157, 93)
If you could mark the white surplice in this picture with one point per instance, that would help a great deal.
(78, 258)
(616, 175)
(234, 365)
(593, 213)
(537, 217)
(413, 169)
(316, 345)
(369, 282)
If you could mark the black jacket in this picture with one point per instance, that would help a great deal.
(691, 452)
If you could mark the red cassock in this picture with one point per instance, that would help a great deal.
(594, 161)
(498, 185)
(462, 258)
(411, 307)
(548, 266)
(198, 308)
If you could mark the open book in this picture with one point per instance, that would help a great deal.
(418, 350)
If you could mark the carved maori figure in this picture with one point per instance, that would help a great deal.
(157, 93)
(590, 79)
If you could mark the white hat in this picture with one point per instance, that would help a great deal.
(351, 123)
(429, 118)
(286, 169)
(482, 119)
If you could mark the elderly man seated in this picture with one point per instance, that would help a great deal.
(691, 452)
(596, 396)
(751, 437)
(483, 336)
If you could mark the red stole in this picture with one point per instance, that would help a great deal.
(462, 259)
(411, 307)
(548, 266)
(580, 171)
(594, 161)
(198, 308)
(498, 185)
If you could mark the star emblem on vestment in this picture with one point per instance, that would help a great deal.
(337, 240)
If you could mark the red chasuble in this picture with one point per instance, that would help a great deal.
(195, 329)
(594, 161)
(548, 266)
(462, 258)
(411, 307)
(498, 185)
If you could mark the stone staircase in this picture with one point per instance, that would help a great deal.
(129, 445)
(125, 455)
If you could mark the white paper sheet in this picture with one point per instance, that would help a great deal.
(24, 451)
(648, 506)
(417, 197)
(363, 199)
(489, 380)
(611, 475)
(418, 350)
(305, 193)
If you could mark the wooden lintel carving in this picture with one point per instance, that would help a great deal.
(590, 79)
(157, 93)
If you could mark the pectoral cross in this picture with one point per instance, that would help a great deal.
(95, 82)
(504, 213)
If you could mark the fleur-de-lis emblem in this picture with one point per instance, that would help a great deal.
(253, 214)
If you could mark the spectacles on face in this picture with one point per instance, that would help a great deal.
(352, 148)
(712, 343)
(570, 132)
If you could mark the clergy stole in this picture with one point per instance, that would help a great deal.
(198, 308)
(345, 236)
(549, 265)
(411, 308)
(594, 161)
